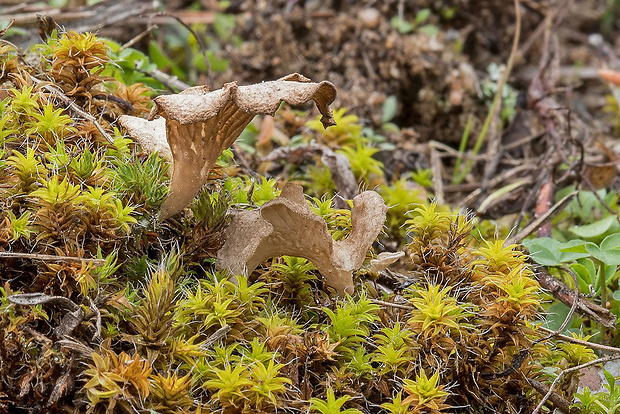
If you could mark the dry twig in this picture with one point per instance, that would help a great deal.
(530, 228)
(73, 106)
(564, 294)
(50, 257)
(601, 347)
(555, 382)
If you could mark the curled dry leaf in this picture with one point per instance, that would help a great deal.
(288, 226)
(199, 125)
(69, 321)
(384, 260)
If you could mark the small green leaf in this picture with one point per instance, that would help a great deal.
(430, 30)
(616, 295)
(389, 109)
(162, 60)
(422, 16)
(401, 25)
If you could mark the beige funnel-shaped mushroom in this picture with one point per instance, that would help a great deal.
(151, 135)
(288, 226)
(199, 125)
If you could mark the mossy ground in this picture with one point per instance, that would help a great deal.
(453, 329)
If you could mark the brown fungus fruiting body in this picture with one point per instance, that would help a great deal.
(200, 125)
(288, 226)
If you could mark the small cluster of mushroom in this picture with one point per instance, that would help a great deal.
(196, 126)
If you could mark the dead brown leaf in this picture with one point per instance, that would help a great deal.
(72, 318)
(384, 260)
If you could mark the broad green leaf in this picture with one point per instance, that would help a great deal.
(596, 229)
(611, 242)
(544, 251)
(550, 252)
(163, 61)
(556, 314)
(589, 264)
(609, 257)
(584, 277)
(586, 205)
(595, 251)
(573, 250)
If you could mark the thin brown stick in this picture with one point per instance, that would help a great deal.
(437, 178)
(601, 347)
(530, 228)
(598, 197)
(529, 42)
(217, 335)
(569, 370)
(97, 336)
(544, 201)
(490, 132)
(557, 400)
(3, 31)
(573, 307)
(137, 38)
(570, 313)
(109, 13)
(58, 14)
(532, 195)
(519, 143)
(391, 305)
(172, 83)
(459, 188)
(72, 106)
(451, 152)
(564, 294)
(500, 194)
(50, 257)
(495, 181)
(14, 9)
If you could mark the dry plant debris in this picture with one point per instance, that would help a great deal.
(384, 260)
(200, 125)
(287, 226)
